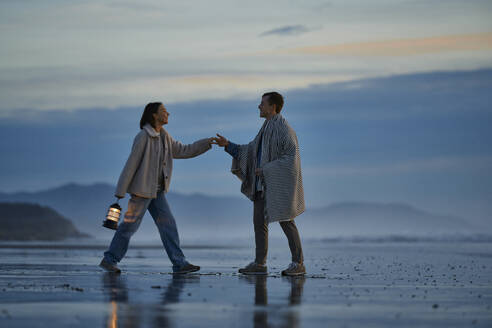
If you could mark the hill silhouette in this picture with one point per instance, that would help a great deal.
(25, 221)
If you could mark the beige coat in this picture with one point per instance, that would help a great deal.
(140, 174)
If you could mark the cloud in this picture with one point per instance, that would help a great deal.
(287, 30)
(433, 164)
(402, 47)
(396, 98)
(128, 89)
(138, 6)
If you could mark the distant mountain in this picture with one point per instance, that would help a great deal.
(24, 221)
(365, 218)
(204, 217)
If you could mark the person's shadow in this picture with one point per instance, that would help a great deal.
(260, 315)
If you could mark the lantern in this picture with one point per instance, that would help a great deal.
(113, 216)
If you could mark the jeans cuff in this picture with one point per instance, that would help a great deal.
(110, 258)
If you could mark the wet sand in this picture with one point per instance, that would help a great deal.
(347, 285)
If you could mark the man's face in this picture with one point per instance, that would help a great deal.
(266, 110)
(161, 116)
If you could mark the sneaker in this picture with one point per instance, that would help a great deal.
(294, 269)
(254, 268)
(109, 267)
(187, 268)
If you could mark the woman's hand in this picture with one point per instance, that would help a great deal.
(212, 141)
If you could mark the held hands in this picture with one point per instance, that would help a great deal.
(211, 141)
(221, 141)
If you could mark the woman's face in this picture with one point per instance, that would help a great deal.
(161, 116)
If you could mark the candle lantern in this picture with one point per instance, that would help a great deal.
(113, 216)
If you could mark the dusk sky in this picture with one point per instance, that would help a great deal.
(391, 99)
(82, 54)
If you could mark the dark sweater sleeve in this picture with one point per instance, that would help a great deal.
(232, 149)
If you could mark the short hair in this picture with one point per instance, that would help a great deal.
(275, 98)
(147, 115)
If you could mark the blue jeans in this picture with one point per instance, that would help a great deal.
(163, 218)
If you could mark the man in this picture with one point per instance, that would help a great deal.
(146, 177)
(270, 170)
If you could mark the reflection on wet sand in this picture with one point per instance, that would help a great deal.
(175, 287)
(113, 320)
(172, 295)
(115, 289)
(123, 314)
(296, 288)
(287, 318)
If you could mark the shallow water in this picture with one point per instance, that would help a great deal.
(347, 285)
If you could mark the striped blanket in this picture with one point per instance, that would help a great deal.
(281, 165)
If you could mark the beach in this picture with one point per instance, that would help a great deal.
(348, 284)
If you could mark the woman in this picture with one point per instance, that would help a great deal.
(146, 177)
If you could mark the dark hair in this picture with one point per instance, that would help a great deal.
(147, 115)
(275, 98)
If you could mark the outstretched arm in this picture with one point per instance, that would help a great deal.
(180, 150)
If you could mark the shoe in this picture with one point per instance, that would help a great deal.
(187, 268)
(109, 267)
(254, 268)
(294, 269)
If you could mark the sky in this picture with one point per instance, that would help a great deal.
(390, 99)
(84, 54)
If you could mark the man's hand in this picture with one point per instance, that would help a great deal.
(221, 141)
(259, 172)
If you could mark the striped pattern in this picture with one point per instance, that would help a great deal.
(281, 165)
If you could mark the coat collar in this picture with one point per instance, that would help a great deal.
(150, 130)
(276, 117)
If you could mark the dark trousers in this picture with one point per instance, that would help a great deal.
(261, 234)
